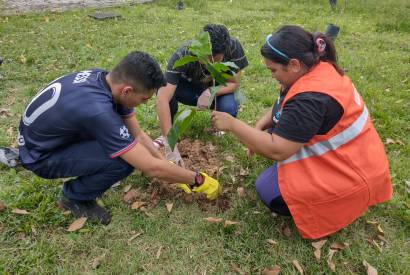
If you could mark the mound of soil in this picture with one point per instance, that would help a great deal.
(197, 156)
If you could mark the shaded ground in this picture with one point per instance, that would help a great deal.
(198, 157)
(23, 6)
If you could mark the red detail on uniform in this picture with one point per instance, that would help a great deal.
(126, 149)
(327, 192)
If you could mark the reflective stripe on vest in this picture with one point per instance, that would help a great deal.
(333, 143)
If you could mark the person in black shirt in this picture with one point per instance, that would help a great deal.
(189, 84)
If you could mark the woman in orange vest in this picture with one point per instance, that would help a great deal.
(330, 162)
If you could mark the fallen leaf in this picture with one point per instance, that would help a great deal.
(389, 141)
(169, 207)
(5, 112)
(270, 241)
(46, 19)
(20, 211)
(213, 220)
(158, 252)
(130, 196)
(319, 244)
(298, 267)
(370, 269)
(380, 230)
(271, 270)
(136, 205)
(89, 46)
(317, 254)
(97, 261)
(398, 101)
(133, 238)
(286, 231)
(23, 59)
(381, 237)
(2, 206)
(338, 245)
(330, 263)
(67, 212)
(408, 186)
(127, 188)
(230, 158)
(241, 192)
(77, 224)
(229, 223)
(243, 172)
(145, 211)
(400, 142)
(376, 245)
(372, 222)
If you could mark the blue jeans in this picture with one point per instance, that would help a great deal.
(94, 169)
(268, 190)
(187, 93)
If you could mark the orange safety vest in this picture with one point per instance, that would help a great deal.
(335, 177)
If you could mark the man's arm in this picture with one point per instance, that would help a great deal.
(141, 159)
(265, 121)
(133, 126)
(164, 96)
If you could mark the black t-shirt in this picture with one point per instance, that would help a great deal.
(195, 72)
(305, 115)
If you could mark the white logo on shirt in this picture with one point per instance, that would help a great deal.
(20, 140)
(124, 132)
(81, 77)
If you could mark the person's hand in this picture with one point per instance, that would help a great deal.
(210, 187)
(203, 99)
(173, 156)
(222, 121)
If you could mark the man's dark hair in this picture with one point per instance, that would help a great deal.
(219, 37)
(139, 70)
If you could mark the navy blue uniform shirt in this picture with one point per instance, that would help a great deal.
(74, 108)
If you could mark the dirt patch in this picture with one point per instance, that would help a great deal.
(197, 156)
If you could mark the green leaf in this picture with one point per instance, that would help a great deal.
(184, 60)
(201, 46)
(213, 89)
(219, 77)
(182, 121)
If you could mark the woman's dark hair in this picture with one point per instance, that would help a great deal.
(295, 42)
(219, 35)
(139, 69)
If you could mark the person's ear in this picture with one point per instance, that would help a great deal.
(295, 65)
(126, 90)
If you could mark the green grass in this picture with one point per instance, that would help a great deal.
(373, 46)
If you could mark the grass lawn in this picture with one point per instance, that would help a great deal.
(373, 46)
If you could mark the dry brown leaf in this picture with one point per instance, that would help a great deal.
(145, 211)
(298, 267)
(5, 112)
(380, 230)
(133, 237)
(243, 172)
(271, 270)
(372, 222)
(23, 59)
(370, 269)
(77, 224)
(270, 241)
(46, 19)
(229, 223)
(127, 188)
(381, 237)
(376, 245)
(67, 212)
(330, 263)
(287, 232)
(338, 245)
(97, 261)
(317, 254)
(389, 141)
(138, 204)
(213, 220)
(408, 186)
(130, 196)
(19, 211)
(400, 142)
(319, 244)
(2, 206)
(241, 192)
(169, 206)
(158, 252)
(230, 158)
(88, 46)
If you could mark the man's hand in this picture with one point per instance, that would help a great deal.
(222, 121)
(203, 99)
(173, 156)
(210, 187)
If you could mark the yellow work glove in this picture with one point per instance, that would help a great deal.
(184, 187)
(210, 187)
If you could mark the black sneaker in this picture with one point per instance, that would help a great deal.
(89, 209)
